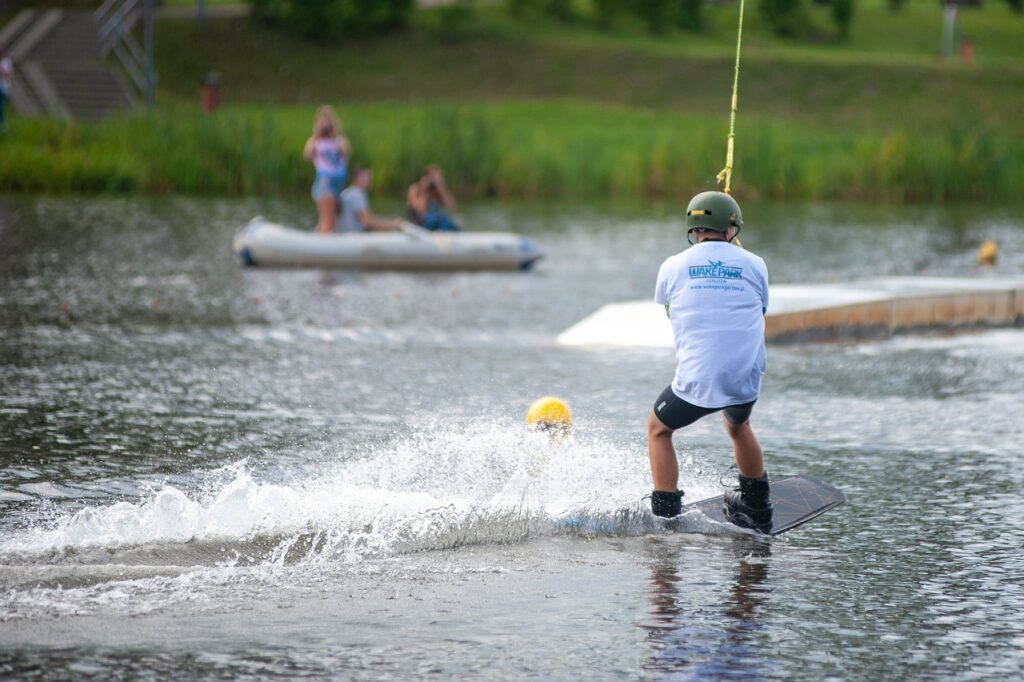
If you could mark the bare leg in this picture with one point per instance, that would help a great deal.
(327, 207)
(664, 467)
(746, 448)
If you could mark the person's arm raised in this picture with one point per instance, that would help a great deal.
(447, 198)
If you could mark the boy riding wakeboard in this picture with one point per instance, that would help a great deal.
(716, 296)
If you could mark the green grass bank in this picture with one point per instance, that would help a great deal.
(860, 84)
(535, 150)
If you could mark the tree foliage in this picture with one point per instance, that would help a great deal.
(663, 14)
(327, 19)
(560, 9)
(788, 18)
(689, 16)
(605, 11)
(658, 15)
(842, 17)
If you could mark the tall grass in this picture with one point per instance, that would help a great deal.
(521, 150)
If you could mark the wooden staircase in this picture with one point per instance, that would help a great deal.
(58, 69)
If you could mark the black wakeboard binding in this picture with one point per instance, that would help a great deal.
(749, 506)
(666, 504)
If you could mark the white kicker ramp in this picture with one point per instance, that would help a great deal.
(826, 311)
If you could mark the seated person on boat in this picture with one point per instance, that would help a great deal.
(355, 206)
(430, 202)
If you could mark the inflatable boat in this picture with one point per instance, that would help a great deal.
(266, 244)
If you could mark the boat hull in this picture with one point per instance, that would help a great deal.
(262, 243)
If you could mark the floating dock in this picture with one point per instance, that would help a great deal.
(869, 308)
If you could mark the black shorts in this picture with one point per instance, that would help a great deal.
(675, 413)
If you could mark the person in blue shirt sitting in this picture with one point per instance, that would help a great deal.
(430, 203)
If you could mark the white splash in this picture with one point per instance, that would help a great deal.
(439, 487)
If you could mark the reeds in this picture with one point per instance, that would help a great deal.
(513, 150)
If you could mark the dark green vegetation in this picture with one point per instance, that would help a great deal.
(532, 106)
(330, 19)
(534, 150)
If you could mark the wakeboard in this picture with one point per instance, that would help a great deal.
(796, 501)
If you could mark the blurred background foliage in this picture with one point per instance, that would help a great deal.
(841, 99)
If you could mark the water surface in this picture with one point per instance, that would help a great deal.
(213, 471)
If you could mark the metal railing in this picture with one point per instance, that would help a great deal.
(115, 20)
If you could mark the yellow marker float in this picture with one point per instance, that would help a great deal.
(988, 254)
(549, 421)
(549, 413)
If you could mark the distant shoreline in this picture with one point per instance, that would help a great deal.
(512, 150)
(533, 108)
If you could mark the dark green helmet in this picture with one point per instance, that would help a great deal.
(713, 211)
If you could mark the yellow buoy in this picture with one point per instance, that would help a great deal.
(549, 413)
(988, 254)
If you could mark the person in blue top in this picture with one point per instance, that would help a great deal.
(329, 151)
(716, 296)
(430, 202)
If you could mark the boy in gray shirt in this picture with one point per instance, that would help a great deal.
(355, 206)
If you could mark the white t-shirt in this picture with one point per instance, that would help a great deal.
(717, 294)
(353, 202)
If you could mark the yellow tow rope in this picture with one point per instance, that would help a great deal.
(726, 173)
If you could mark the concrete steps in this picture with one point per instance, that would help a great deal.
(58, 71)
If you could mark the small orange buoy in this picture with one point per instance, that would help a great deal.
(988, 254)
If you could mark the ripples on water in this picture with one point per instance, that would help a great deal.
(211, 471)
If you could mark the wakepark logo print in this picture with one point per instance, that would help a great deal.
(715, 270)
